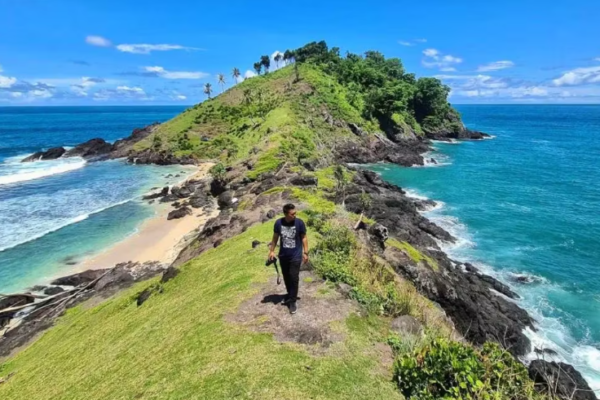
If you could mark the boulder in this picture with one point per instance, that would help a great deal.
(406, 325)
(81, 278)
(271, 214)
(344, 289)
(304, 181)
(379, 232)
(560, 379)
(226, 200)
(52, 290)
(50, 154)
(255, 243)
(217, 186)
(356, 129)
(92, 148)
(169, 274)
(179, 213)
(15, 300)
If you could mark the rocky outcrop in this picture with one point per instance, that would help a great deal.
(50, 154)
(179, 213)
(93, 148)
(464, 134)
(404, 152)
(560, 380)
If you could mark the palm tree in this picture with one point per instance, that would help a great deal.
(265, 62)
(257, 67)
(236, 74)
(287, 56)
(207, 89)
(277, 58)
(221, 80)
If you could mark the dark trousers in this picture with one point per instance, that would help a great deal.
(290, 269)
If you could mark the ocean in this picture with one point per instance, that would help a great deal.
(526, 205)
(55, 213)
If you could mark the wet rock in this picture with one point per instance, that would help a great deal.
(425, 205)
(38, 288)
(50, 154)
(52, 290)
(406, 325)
(470, 268)
(92, 148)
(15, 300)
(81, 278)
(179, 213)
(433, 161)
(560, 379)
(156, 195)
(226, 200)
(169, 274)
(217, 187)
(550, 352)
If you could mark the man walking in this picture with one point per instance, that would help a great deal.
(293, 251)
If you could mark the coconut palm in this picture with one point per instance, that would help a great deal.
(236, 74)
(257, 67)
(265, 61)
(221, 80)
(207, 89)
(277, 58)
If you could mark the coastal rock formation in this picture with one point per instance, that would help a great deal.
(91, 149)
(50, 154)
(464, 134)
(560, 380)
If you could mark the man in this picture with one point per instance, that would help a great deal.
(293, 251)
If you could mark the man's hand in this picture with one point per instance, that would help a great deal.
(271, 255)
(304, 258)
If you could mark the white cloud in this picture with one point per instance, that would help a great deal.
(403, 43)
(148, 48)
(495, 66)
(98, 41)
(7, 81)
(127, 89)
(435, 59)
(16, 95)
(578, 76)
(421, 40)
(163, 73)
(41, 93)
(181, 97)
(249, 74)
(431, 52)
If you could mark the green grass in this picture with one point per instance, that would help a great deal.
(178, 345)
(413, 253)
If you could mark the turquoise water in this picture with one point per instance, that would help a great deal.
(57, 212)
(528, 203)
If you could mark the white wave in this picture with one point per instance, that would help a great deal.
(71, 221)
(413, 194)
(452, 141)
(38, 169)
(489, 137)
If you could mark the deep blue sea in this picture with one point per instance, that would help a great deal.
(527, 203)
(57, 212)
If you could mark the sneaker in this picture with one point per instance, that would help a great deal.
(293, 307)
(286, 300)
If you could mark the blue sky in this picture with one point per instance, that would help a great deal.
(75, 52)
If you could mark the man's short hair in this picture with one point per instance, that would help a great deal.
(287, 208)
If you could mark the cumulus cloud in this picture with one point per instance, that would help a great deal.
(7, 81)
(578, 76)
(122, 92)
(163, 73)
(148, 48)
(180, 97)
(436, 59)
(495, 66)
(98, 41)
(249, 74)
(81, 89)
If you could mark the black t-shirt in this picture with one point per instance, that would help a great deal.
(290, 242)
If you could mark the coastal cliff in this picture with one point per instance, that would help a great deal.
(296, 135)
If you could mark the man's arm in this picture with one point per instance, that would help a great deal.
(272, 246)
(305, 248)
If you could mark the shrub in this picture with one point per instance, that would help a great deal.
(452, 370)
(217, 171)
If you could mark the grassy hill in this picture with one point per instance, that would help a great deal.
(211, 333)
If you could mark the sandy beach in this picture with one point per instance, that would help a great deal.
(157, 239)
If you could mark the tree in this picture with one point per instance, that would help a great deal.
(235, 74)
(218, 172)
(257, 67)
(277, 58)
(430, 99)
(265, 61)
(221, 80)
(287, 55)
(207, 89)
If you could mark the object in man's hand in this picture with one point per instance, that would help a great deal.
(273, 261)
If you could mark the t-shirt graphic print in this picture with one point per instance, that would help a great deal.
(291, 234)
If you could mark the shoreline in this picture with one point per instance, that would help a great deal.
(155, 239)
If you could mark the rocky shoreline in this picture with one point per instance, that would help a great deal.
(480, 307)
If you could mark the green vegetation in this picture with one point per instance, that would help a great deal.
(413, 253)
(452, 370)
(179, 346)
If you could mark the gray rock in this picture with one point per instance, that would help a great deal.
(255, 244)
(561, 379)
(344, 289)
(50, 154)
(271, 214)
(179, 213)
(52, 290)
(406, 325)
(169, 274)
